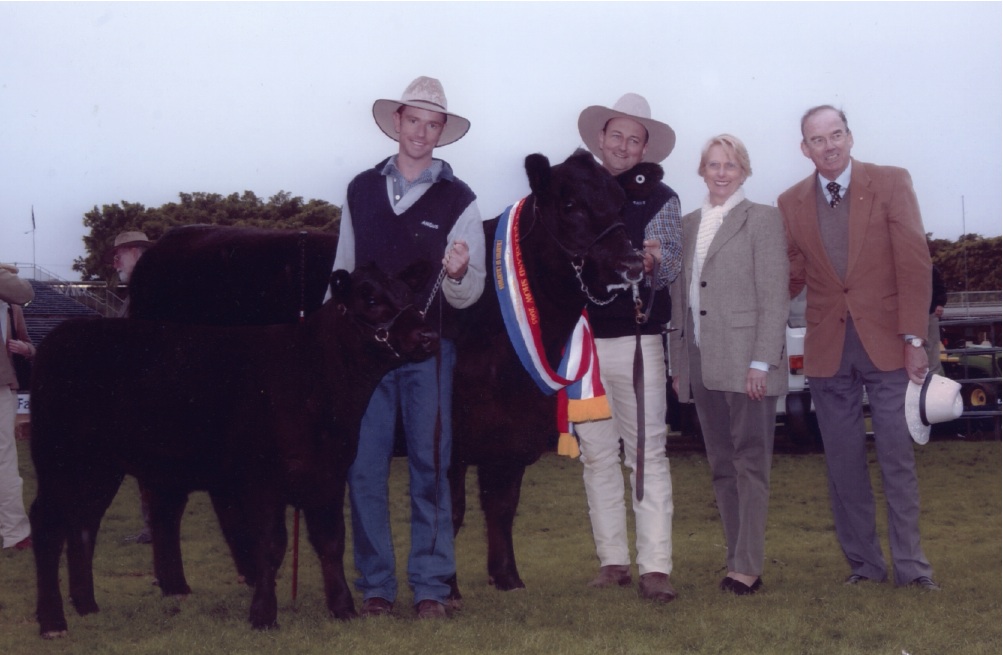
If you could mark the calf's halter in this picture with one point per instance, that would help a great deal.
(379, 332)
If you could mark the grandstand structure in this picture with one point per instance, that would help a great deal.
(57, 300)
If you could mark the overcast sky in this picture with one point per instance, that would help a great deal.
(102, 103)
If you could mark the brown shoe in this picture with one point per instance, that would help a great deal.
(430, 609)
(614, 574)
(656, 587)
(376, 606)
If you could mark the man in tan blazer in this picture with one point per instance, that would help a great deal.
(14, 526)
(856, 239)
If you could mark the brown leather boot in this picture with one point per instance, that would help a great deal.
(656, 587)
(614, 574)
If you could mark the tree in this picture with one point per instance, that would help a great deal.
(972, 263)
(282, 211)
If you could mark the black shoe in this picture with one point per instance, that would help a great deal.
(855, 578)
(725, 584)
(739, 588)
(926, 583)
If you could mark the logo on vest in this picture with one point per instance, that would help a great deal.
(429, 224)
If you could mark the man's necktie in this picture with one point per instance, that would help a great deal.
(833, 188)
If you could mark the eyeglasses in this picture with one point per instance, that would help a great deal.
(836, 138)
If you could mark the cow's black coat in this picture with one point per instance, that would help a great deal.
(502, 422)
(257, 416)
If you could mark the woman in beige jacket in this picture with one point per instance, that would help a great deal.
(730, 303)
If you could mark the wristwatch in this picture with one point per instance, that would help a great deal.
(915, 342)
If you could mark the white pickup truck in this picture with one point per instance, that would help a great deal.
(795, 410)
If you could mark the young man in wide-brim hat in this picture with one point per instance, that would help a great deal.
(630, 144)
(410, 207)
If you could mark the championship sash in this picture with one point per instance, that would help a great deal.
(580, 393)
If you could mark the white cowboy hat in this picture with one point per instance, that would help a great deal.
(937, 400)
(661, 138)
(423, 93)
(131, 240)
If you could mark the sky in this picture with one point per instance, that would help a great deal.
(102, 103)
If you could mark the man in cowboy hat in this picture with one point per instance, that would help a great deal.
(630, 144)
(855, 239)
(411, 208)
(15, 529)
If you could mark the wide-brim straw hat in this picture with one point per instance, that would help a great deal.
(131, 240)
(937, 400)
(423, 93)
(661, 137)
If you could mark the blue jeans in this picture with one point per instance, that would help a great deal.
(423, 403)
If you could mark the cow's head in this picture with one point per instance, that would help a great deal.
(384, 309)
(579, 204)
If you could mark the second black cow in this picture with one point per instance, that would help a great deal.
(257, 416)
(575, 249)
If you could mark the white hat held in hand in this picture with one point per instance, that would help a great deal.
(937, 400)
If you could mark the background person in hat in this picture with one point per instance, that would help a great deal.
(128, 248)
(856, 240)
(126, 251)
(629, 144)
(410, 207)
(15, 527)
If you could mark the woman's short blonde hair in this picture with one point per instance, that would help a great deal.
(733, 145)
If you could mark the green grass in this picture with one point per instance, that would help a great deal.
(804, 608)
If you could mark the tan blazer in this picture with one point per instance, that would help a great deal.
(744, 294)
(15, 291)
(888, 278)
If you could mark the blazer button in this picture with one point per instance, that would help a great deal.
(703, 312)
(703, 284)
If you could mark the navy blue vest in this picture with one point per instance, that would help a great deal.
(395, 242)
(644, 200)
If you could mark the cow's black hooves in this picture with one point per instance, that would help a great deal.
(507, 583)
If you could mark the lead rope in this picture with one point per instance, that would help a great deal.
(437, 434)
(640, 318)
(296, 510)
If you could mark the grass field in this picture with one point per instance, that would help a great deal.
(803, 609)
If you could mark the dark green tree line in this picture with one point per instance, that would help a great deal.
(972, 263)
(281, 211)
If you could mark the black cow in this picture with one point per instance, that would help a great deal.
(502, 422)
(232, 276)
(257, 416)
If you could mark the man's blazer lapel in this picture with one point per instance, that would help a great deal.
(861, 202)
(807, 213)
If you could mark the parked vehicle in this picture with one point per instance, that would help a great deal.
(971, 355)
(795, 410)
